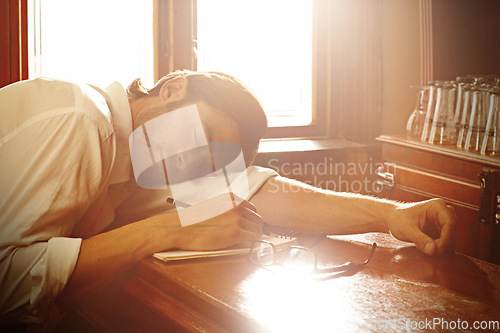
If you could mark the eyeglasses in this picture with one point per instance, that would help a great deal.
(264, 253)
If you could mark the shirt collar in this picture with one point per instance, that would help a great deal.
(121, 119)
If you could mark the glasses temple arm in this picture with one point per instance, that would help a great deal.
(348, 265)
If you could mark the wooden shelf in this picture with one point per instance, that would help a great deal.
(446, 150)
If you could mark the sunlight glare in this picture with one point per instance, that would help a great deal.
(283, 301)
(92, 41)
(265, 43)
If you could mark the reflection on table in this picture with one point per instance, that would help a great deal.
(400, 290)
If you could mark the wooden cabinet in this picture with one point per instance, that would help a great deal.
(468, 181)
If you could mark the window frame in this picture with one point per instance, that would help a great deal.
(14, 41)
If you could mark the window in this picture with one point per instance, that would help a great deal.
(266, 44)
(331, 52)
(277, 47)
(93, 41)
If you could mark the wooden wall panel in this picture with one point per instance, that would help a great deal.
(13, 41)
(459, 37)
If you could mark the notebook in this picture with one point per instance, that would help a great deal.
(277, 241)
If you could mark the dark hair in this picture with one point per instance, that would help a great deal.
(223, 92)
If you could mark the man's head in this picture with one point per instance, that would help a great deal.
(223, 96)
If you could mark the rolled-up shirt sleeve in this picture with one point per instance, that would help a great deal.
(51, 273)
(34, 276)
(257, 177)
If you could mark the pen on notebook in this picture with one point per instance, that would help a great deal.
(182, 204)
(178, 203)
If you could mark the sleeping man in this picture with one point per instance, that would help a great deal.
(75, 213)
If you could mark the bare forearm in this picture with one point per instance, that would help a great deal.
(103, 257)
(301, 207)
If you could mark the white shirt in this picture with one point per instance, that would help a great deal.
(65, 174)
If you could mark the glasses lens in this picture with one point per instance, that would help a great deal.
(300, 258)
(262, 253)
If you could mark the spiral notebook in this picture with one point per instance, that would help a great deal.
(278, 236)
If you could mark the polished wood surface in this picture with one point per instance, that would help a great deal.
(400, 286)
(442, 152)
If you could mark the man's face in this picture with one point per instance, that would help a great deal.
(172, 146)
(193, 150)
(195, 163)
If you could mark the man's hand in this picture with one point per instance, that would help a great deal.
(104, 256)
(429, 224)
(238, 226)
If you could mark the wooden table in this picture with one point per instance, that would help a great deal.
(400, 290)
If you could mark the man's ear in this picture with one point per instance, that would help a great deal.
(174, 90)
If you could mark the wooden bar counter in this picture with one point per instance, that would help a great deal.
(400, 290)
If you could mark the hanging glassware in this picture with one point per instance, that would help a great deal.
(443, 130)
(490, 141)
(429, 112)
(415, 124)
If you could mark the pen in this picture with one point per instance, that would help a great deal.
(178, 203)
